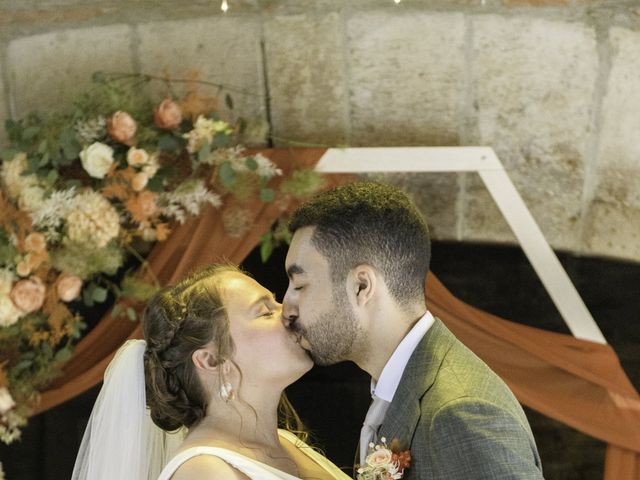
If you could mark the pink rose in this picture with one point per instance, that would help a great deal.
(69, 287)
(28, 295)
(379, 458)
(35, 242)
(122, 127)
(168, 115)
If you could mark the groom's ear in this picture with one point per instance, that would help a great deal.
(364, 283)
(204, 359)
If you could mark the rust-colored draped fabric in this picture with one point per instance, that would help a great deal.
(576, 382)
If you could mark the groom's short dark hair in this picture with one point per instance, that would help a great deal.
(370, 223)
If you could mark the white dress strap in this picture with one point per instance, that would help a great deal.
(250, 467)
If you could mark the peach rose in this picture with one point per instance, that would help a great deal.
(139, 181)
(35, 242)
(69, 287)
(147, 203)
(28, 295)
(379, 457)
(168, 115)
(24, 267)
(122, 127)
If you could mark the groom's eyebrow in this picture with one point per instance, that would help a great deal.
(295, 270)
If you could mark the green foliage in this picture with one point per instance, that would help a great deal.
(84, 262)
(133, 287)
(302, 183)
(7, 250)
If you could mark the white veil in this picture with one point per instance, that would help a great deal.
(121, 441)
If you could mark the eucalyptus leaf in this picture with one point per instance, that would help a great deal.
(8, 154)
(131, 313)
(30, 133)
(251, 163)
(63, 355)
(99, 294)
(227, 174)
(267, 194)
(204, 152)
(221, 140)
(266, 246)
(52, 176)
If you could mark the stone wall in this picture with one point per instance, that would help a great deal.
(552, 85)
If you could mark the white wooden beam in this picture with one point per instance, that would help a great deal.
(485, 162)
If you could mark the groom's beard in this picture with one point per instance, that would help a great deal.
(332, 336)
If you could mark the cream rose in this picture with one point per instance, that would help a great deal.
(168, 115)
(9, 313)
(68, 287)
(6, 281)
(137, 157)
(122, 127)
(28, 295)
(379, 457)
(97, 159)
(151, 168)
(6, 401)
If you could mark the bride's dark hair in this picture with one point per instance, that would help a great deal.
(178, 320)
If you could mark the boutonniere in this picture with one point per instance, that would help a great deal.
(385, 463)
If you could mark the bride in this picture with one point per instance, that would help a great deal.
(211, 376)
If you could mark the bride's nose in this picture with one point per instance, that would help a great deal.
(289, 313)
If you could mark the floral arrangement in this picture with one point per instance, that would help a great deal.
(384, 463)
(85, 193)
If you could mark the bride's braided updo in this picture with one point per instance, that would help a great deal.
(177, 321)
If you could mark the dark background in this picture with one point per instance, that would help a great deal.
(333, 400)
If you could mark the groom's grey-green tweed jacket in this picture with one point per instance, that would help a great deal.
(458, 418)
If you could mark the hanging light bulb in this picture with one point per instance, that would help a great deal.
(397, 1)
(225, 6)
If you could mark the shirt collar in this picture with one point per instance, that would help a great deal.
(386, 386)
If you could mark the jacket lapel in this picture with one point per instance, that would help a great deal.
(420, 373)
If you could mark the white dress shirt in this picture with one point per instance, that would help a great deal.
(386, 386)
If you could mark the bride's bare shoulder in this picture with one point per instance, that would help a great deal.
(209, 467)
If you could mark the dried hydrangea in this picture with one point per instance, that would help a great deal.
(12, 176)
(92, 220)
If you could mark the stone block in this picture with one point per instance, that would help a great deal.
(222, 50)
(307, 79)
(613, 215)
(533, 82)
(406, 78)
(48, 70)
(619, 146)
(435, 194)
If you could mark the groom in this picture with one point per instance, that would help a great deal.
(357, 266)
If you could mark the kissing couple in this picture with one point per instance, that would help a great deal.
(202, 397)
